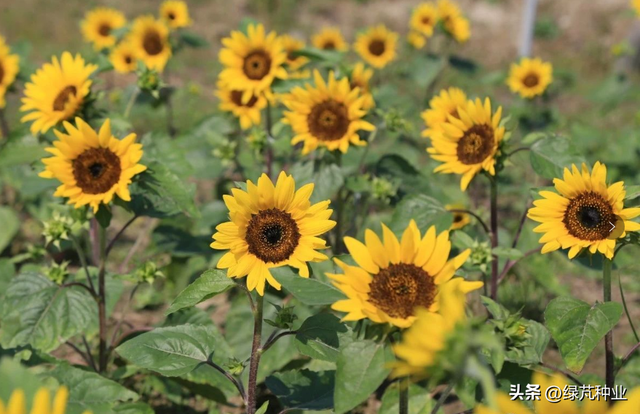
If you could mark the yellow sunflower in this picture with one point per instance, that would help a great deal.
(98, 26)
(252, 61)
(150, 39)
(360, 78)
(393, 278)
(454, 23)
(530, 77)
(327, 114)
(56, 91)
(468, 143)
(583, 213)
(416, 39)
(440, 107)
(291, 45)
(175, 13)
(92, 166)
(330, 38)
(506, 405)
(460, 219)
(377, 46)
(42, 403)
(123, 57)
(635, 4)
(9, 67)
(271, 226)
(424, 19)
(248, 112)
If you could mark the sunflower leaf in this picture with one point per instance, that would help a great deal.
(306, 290)
(303, 389)
(549, 156)
(319, 337)
(209, 284)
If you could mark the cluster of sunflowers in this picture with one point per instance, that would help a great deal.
(429, 17)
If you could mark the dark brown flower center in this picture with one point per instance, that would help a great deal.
(257, 65)
(96, 170)
(104, 29)
(128, 59)
(377, 47)
(152, 43)
(400, 288)
(531, 80)
(426, 20)
(171, 16)
(328, 120)
(272, 235)
(589, 216)
(329, 45)
(457, 217)
(476, 144)
(63, 97)
(236, 98)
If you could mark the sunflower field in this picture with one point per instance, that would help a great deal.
(338, 206)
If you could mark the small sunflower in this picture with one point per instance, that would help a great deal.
(92, 166)
(377, 46)
(56, 91)
(424, 19)
(453, 22)
(470, 142)
(42, 402)
(247, 112)
(150, 38)
(271, 226)
(460, 219)
(360, 78)
(581, 215)
(291, 45)
(9, 67)
(393, 278)
(252, 61)
(175, 13)
(327, 114)
(99, 24)
(530, 77)
(330, 38)
(440, 107)
(416, 39)
(123, 57)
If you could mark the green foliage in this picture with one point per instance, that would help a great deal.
(210, 283)
(550, 155)
(303, 389)
(319, 337)
(307, 290)
(11, 226)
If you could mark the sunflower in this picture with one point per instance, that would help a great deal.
(150, 39)
(56, 91)
(9, 67)
(175, 13)
(326, 114)
(92, 166)
(507, 405)
(440, 107)
(291, 45)
(470, 142)
(453, 22)
(416, 39)
(424, 19)
(252, 61)
(583, 212)
(393, 278)
(42, 403)
(123, 57)
(360, 77)
(271, 226)
(248, 113)
(377, 46)
(98, 26)
(330, 38)
(460, 219)
(530, 77)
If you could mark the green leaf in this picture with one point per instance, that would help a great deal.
(192, 39)
(318, 337)
(577, 327)
(633, 192)
(319, 55)
(306, 290)
(549, 156)
(39, 313)
(507, 253)
(133, 408)
(496, 310)
(419, 400)
(14, 375)
(208, 285)
(303, 389)
(426, 211)
(327, 183)
(263, 409)
(176, 350)
(360, 369)
(104, 216)
(7, 271)
(10, 226)
(20, 150)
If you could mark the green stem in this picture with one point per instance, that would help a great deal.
(403, 396)
(132, 100)
(4, 125)
(443, 398)
(102, 312)
(494, 236)
(626, 310)
(83, 261)
(608, 339)
(256, 352)
(269, 143)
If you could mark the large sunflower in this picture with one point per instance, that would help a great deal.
(92, 166)
(469, 142)
(9, 67)
(123, 57)
(330, 38)
(440, 107)
(42, 402)
(360, 78)
(377, 46)
(271, 226)
(424, 19)
(252, 61)
(454, 23)
(248, 113)
(150, 38)
(393, 277)
(583, 213)
(56, 91)
(530, 77)
(175, 13)
(327, 114)
(292, 45)
(98, 26)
